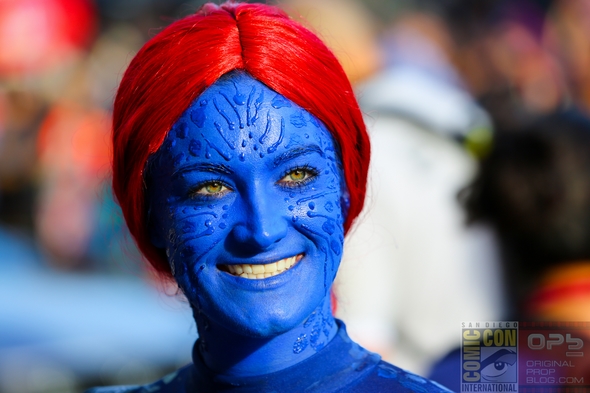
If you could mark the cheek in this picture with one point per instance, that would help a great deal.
(319, 216)
(193, 233)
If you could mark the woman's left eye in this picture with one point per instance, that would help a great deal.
(214, 188)
(298, 177)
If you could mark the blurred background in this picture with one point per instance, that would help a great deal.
(78, 306)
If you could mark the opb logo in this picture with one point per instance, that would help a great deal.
(537, 342)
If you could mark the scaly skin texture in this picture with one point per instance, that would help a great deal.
(247, 177)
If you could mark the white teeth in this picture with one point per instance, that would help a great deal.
(258, 269)
(263, 271)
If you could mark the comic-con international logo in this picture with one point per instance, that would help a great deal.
(489, 357)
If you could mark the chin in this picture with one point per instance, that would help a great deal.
(267, 323)
(259, 320)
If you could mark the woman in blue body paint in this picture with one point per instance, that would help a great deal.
(240, 161)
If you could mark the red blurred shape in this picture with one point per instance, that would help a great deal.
(36, 35)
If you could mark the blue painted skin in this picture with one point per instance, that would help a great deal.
(247, 177)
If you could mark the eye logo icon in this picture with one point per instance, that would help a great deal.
(499, 365)
(489, 356)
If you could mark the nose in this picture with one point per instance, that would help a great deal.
(262, 224)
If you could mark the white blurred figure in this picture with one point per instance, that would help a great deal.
(412, 270)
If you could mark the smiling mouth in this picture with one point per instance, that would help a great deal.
(257, 272)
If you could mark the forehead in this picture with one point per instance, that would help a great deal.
(238, 117)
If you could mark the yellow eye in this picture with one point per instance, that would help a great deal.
(212, 189)
(297, 175)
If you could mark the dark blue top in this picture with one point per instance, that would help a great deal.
(447, 371)
(341, 366)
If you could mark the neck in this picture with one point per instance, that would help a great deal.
(233, 354)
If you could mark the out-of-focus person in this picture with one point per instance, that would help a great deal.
(42, 41)
(518, 60)
(568, 37)
(504, 58)
(347, 27)
(534, 190)
(77, 223)
(412, 271)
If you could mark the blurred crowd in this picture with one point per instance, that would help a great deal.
(60, 65)
(438, 80)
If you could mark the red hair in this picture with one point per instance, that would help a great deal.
(179, 63)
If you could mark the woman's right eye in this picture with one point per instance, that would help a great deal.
(211, 189)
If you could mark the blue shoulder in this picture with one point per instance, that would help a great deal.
(174, 382)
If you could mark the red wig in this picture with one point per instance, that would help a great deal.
(179, 63)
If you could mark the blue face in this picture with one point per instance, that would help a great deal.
(245, 198)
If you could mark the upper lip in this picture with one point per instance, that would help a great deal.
(258, 261)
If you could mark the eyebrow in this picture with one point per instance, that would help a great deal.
(203, 167)
(297, 152)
